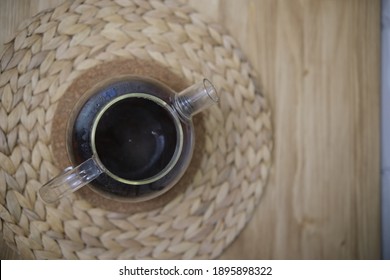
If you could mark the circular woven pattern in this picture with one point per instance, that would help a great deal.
(55, 47)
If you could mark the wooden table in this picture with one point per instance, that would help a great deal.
(319, 64)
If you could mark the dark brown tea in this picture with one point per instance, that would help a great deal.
(135, 138)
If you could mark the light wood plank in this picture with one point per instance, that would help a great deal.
(318, 61)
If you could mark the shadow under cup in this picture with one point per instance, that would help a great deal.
(137, 138)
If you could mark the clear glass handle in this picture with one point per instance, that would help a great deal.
(70, 180)
(196, 98)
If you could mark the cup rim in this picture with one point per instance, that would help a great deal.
(175, 156)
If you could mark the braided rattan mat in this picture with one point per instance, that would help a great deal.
(54, 48)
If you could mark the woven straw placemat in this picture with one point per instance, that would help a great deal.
(55, 47)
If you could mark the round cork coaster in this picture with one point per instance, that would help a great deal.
(45, 59)
(76, 95)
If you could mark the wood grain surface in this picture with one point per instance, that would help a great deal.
(318, 64)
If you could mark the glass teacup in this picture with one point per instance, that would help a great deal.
(134, 135)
